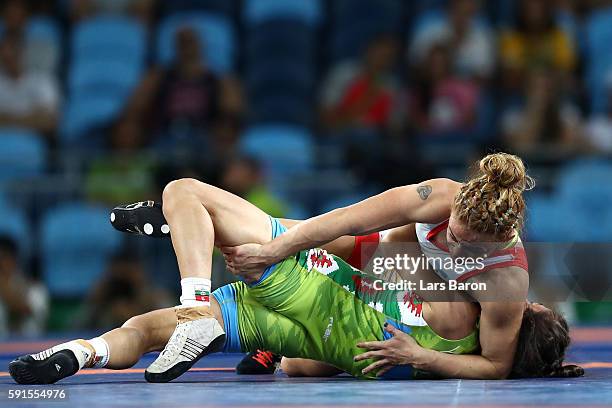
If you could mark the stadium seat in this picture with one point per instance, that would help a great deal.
(581, 177)
(598, 36)
(577, 210)
(288, 38)
(117, 77)
(76, 239)
(584, 189)
(43, 52)
(86, 112)
(107, 62)
(22, 154)
(109, 38)
(282, 106)
(542, 219)
(216, 36)
(306, 11)
(44, 28)
(284, 150)
(280, 72)
(356, 22)
(292, 76)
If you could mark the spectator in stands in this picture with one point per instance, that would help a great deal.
(27, 99)
(184, 102)
(24, 303)
(243, 176)
(599, 126)
(471, 41)
(127, 173)
(542, 117)
(14, 18)
(440, 100)
(38, 53)
(360, 93)
(536, 42)
(124, 291)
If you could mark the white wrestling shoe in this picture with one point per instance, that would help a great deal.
(196, 335)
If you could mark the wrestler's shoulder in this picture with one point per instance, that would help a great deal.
(444, 186)
(438, 190)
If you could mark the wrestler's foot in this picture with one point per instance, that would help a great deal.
(258, 362)
(51, 365)
(143, 218)
(196, 335)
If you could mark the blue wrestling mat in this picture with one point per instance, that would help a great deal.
(213, 383)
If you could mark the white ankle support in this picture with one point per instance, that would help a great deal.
(102, 351)
(195, 291)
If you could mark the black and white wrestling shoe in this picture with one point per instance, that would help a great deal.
(196, 335)
(51, 365)
(143, 218)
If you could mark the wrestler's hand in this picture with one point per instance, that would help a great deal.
(246, 260)
(400, 349)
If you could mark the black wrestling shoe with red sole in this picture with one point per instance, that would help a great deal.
(27, 370)
(142, 218)
(258, 362)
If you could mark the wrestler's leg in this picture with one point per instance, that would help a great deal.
(117, 349)
(143, 334)
(301, 367)
(242, 221)
(201, 215)
(334, 318)
(139, 335)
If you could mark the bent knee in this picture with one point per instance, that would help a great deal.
(153, 329)
(138, 323)
(179, 187)
(176, 191)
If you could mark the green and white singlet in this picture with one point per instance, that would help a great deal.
(313, 305)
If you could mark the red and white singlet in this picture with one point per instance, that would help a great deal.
(438, 256)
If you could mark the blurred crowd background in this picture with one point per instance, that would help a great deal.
(299, 106)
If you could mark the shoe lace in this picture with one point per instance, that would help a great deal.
(263, 357)
(173, 348)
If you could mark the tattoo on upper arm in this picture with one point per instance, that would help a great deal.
(424, 191)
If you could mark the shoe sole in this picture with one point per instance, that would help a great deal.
(184, 366)
(143, 220)
(27, 370)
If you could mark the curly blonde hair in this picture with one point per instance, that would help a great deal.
(492, 200)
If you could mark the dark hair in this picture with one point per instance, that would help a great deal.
(521, 18)
(543, 340)
(8, 245)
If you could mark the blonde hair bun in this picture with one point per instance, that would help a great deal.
(506, 171)
(492, 200)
